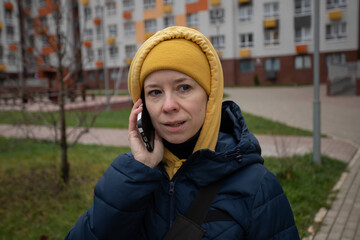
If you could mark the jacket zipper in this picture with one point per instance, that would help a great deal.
(172, 201)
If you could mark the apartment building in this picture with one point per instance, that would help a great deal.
(258, 41)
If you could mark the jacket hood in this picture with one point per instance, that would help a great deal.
(210, 129)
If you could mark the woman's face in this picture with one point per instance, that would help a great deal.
(176, 104)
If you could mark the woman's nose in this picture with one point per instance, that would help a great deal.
(170, 104)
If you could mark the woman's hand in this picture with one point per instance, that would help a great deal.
(138, 149)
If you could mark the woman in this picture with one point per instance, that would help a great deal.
(198, 141)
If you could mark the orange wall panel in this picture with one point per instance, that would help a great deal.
(140, 32)
(156, 12)
(180, 20)
(201, 5)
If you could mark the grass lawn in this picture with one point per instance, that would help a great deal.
(119, 119)
(34, 203)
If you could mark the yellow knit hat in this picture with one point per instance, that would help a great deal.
(180, 55)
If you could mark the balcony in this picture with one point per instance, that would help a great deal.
(99, 63)
(110, 40)
(335, 15)
(301, 48)
(87, 44)
(13, 47)
(215, 2)
(127, 14)
(1, 25)
(244, 1)
(9, 6)
(2, 67)
(245, 52)
(128, 61)
(84, 2)
(167, 8)
(270, 23)
(97, 21)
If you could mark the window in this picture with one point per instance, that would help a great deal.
(10, 32)
(130, 51)
(100, 53)
(113, 50)
(98, 11)
(302, 62)
(112, 30)
(42, 3)
(272, 64)
(113, 74)
(169, 21)
(168, 2)
(87, 13)
(29, 23)
(192, 20)
(128, 5)
(330, 4)
(43, 21)
(218, 41)
(111, 7)
(129, 28)
(271, 10)
(148, 4)
(302, 7)
(335, 58)
(217, 15)
(88, 34)
(91, 76)
(101, 75)
(246, 40)
(336, 30)
(90, 54)
(150, 26)
(302, 34)
(44, 41)
(271, 37)
(245, 13)
(98, 32)
(28, 3)
(46, 59)
(1, 53)
(246, 66)
(11, 59)
(8, 14)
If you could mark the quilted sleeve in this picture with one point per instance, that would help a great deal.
(271, 215)
(121, 198)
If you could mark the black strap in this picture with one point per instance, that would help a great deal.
(201, 205)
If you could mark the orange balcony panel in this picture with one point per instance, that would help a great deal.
(84, 2)
(301, 48)
(245, 52)
(215, 2)
(30, 49)
(111, 40)
(1, 25)
(244, 1)
(9, 6)
(99, 63)
(44, 11)
(13, 47)
(167, 8)
(270, 23)
(2, 67)
(47, 50)
(335, 15)
(97, 21)
(127, 14)
(87, 44)
(128, 61)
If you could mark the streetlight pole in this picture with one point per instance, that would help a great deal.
(104, 62)
(316, 130)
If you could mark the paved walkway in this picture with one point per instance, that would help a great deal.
(340, 118)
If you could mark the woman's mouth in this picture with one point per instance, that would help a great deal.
(175, 124)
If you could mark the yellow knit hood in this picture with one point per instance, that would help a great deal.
(209, 132)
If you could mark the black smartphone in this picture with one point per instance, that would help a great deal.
(146, 128)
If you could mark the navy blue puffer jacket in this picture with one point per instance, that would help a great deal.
(133, 201)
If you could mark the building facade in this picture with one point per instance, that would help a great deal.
(258, 41)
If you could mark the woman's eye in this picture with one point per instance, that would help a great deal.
(154, 92)
(185, 88)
